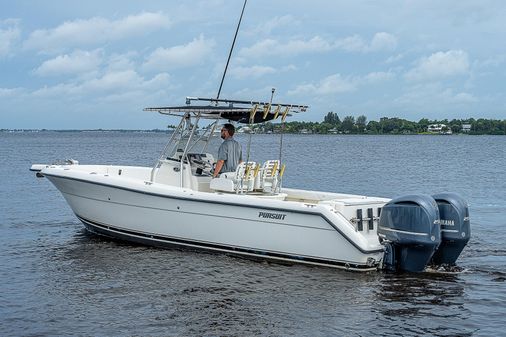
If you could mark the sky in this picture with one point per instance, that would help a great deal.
(96, 64)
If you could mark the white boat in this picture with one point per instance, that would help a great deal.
(177, 203)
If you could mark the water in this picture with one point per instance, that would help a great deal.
(56, 279)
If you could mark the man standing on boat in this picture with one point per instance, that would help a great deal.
(229, 153)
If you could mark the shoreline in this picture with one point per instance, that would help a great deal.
(244, 133)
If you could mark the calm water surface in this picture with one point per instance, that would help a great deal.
(55, 279)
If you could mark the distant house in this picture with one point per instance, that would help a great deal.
(439, 128)
(435, 127)
(466, 127)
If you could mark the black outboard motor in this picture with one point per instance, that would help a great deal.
(455, 228)
(409, 229)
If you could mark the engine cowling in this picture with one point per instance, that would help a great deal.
(455, 228)
(409, 227)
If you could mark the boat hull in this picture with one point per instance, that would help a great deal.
(173, 217)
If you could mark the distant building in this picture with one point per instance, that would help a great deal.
(466, 128)
(439, 128)
(435, 127)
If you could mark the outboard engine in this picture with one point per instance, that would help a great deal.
(410, 230)
(455, 228)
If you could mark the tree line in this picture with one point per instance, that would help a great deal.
(350, 125)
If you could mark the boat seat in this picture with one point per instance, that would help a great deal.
(267, 180)
(242, 180)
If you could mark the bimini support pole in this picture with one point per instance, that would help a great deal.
(164, 152)
(185, 151)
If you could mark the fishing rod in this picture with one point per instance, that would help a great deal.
(251, 120)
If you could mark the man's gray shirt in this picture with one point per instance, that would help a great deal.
(231, 152)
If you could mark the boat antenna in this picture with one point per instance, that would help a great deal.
(231, 49)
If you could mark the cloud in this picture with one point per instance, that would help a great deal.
(294, 47)
(332, 84)
(10, 92)
(251, 72)
(69, 64)
(491, 62)
(353, 43)
(377, 77)
(440, 97)
(383, 41)
(256, 71)
(380, 42)
(121, 61)
(289, 67)
(464, 97)
(8, 35)
(95, 31)
(267, 47)
(440, 65)
(261, 93)
(113, 81)
(110, 83)
(267, 27)
(394, 58)
(336, 84)
(192, 53)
